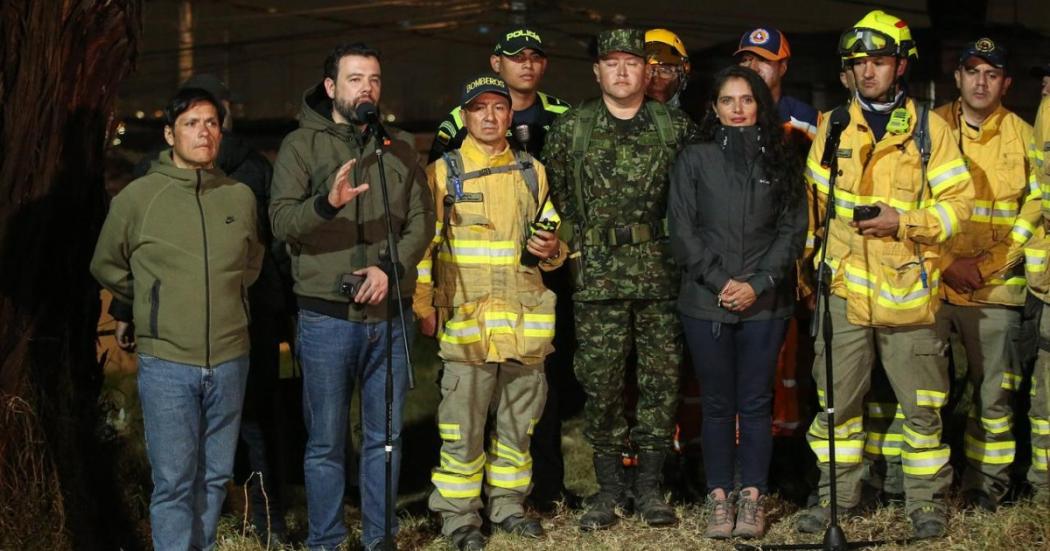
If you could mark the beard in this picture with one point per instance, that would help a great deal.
(345, 109)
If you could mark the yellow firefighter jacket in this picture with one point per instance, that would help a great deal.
(490, 308)
(881, 277)
(1038, 249)
(1006, 205)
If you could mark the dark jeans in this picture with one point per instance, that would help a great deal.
(735, 364)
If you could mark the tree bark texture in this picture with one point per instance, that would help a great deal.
(62, 63)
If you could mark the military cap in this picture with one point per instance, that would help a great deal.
(631, 41)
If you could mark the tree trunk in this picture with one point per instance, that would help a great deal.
(62, 62)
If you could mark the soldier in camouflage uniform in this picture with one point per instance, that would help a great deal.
(608, 165)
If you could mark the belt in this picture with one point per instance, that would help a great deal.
(630, 234)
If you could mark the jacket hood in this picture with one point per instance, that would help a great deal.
(316, 113)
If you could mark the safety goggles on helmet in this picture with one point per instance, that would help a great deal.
(862, 42)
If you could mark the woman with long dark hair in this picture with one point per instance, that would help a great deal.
(737, 221)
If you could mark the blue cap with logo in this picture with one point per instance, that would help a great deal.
(765, 42)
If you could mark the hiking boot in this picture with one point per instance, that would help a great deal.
(468, 538)
(975, 498)
(612, 493)
(720, 513)
(750, 515)
(520, 525)
(648, 497)
(928, 523)
(815, 519)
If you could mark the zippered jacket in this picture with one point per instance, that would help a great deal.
(324, 242)
(891, 281)
(1006, 204)
(181, 246)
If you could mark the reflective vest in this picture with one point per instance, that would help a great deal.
(1006, 207)
(881, 277)
(490, 307)
(1038, 249)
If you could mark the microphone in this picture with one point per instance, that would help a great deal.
(368, 113)
(522, 134)
(839, 120)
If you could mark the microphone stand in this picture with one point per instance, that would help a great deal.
(379, 135)
(834, 537)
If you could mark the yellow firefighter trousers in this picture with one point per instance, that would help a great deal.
(917, 368)
(1039, 415)
(515, 395)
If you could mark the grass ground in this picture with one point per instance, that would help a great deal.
(1021, 527)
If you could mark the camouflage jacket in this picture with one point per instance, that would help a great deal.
(624, 182)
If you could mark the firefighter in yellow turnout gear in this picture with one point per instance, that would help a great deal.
(885, 271)
(480, 288)
(985, 284)
(1037, 255)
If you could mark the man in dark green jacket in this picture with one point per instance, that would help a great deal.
(335, 228)
(180, 245)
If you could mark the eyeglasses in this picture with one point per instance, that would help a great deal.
(866, 41)
(665, 71)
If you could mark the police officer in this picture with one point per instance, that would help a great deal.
(1037, 254)
(885, 270)
(520, 60)
(493, 317)
(608, 162)
(984, 284)
(669, 61)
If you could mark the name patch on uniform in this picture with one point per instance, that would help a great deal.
(844, 153)
(471, 198)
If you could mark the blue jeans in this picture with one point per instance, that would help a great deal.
(191, 415)
(735, 364)
(334, 354)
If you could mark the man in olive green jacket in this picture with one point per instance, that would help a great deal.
(180, 245)
(335, 228)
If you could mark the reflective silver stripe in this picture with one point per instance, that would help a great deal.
(946, 175)
(816, 176)
(859, 280)
(946, 221)
(464, 332)
(482, 251)
(846, 204)
(1003, 213)
(539, 325)
(499, 322)
(906, 298)
(1022, 231)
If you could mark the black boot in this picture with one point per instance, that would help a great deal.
(648, 493)
(612, 493)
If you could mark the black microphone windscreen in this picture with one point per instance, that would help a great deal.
(367, 112)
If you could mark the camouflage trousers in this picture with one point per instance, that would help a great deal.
(605, 334)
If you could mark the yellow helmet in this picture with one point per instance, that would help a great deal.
(664, 46)
(878, 33)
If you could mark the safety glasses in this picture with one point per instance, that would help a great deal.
(866, 41)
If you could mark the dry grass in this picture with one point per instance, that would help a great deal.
(1020, 527)
(1015, 528)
